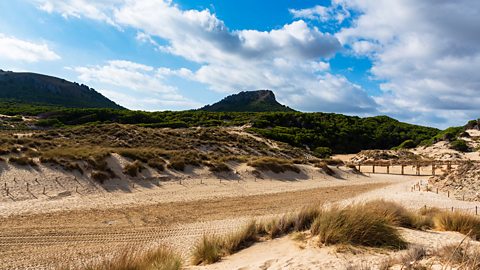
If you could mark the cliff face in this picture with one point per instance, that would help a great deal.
(248, 101)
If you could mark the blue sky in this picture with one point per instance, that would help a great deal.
(414, 61)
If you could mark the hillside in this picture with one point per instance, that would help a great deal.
(32, 88)
(248, 101)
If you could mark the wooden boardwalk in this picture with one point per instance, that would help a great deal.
(408, 167)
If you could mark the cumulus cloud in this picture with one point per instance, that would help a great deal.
(20, 50)
(425, 52)
(97, 10)
(135, 77)
(292, 59)
(337, 12)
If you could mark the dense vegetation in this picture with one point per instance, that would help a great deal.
(319, 132)
(42, 89)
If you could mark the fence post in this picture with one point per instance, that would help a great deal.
(437, 190)
(476, 210)
(44, 191)
(28, 189)
(388, 169)
(403, 167)
(373, 168)
(448, 193)
(452, 208)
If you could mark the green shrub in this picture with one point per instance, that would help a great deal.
(459, 145)
(322, 152)
(408, 144)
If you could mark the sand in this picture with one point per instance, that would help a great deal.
(36, 233)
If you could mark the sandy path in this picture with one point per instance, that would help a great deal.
(37, 240)
(191, 188)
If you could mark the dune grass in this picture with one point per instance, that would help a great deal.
(459, 222)
(276, 165)
(398, 215)
(356, 225)
(130, 259)
(207, 251)
(211, 249)
(133, 169)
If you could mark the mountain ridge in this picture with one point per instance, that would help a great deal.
(248, 101)
(35, 88)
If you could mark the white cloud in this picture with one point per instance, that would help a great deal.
(97, 10)
(290, 60)
(20, 50)
(427, 54)
(150, 88)
(337, 12)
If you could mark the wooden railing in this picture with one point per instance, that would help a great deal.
(417, 166)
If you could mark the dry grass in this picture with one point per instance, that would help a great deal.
(241, 239)
(22, 161)
(157, 259)
(210, 249)
(276, 165)
(459, 222)
(134, 168)
(100, 176)
(398, 215)
(324, 167)
(218, 167)
(207, 251)
(463, 256)
(356, 225)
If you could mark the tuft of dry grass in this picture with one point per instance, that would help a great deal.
(398, 215)
(459, 222)
(276, 165)
(134, 168)
(324, 167)
(22, 161)
(100, 176)
(461, 255)
(207, 251)
(156, 259)
(219, 167)
(241, 239)
(357, 225)
(210, 249)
